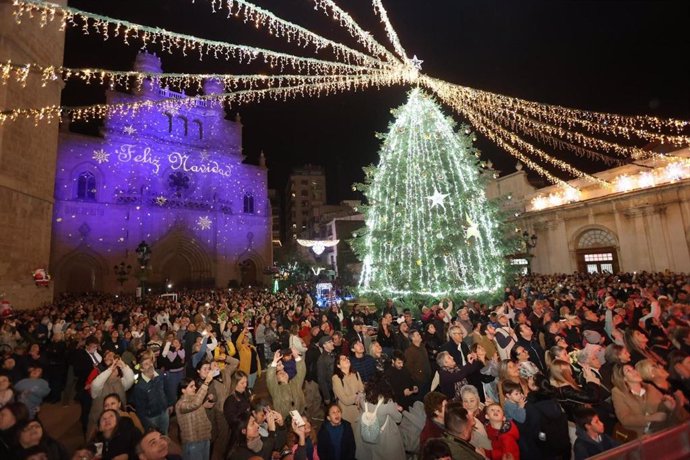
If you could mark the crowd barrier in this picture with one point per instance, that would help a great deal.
(671, 444)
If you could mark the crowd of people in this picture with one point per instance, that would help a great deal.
(567, 366)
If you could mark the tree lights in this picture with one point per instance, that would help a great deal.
(430, 228)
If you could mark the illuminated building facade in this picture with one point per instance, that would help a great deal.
(176, 180)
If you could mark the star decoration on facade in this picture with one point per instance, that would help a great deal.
(416, 62)
(204, 155)
(130, 130)
(100, 156)
(204, 223)
(472, 229)
(437, 199)
(161, 200)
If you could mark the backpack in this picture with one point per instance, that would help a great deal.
(553, 431)
(370, 427)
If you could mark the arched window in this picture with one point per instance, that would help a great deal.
(248, 203)
(184, 124)
(200, 128)
(86, 186)
(170, 120)
(596, 252)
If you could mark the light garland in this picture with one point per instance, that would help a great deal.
(279, 27)
(91, 112)
(170, 41)
(494, 131)
(363, 37)
(390, 31)
(20, 74)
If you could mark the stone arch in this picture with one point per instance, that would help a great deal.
(81, 270)
(596, 248)
(179, 258)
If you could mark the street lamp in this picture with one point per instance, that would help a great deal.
(530, 242)
(122, 273)
(143, 257)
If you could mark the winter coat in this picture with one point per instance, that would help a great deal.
(245, 353)
(289, 396)
(504, 441)
(149, 396)
(345, 391)
(417, 362)
(325, 446)
(586, 447)
(390, 442)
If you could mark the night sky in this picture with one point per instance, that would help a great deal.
(614, 56)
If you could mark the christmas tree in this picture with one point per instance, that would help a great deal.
(430, 229)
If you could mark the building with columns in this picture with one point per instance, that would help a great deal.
(641, 223)
(175, 179)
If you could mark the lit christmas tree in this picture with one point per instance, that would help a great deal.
(430, 229)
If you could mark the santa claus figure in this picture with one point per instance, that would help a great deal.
(41, 277)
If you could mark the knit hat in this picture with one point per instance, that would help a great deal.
(592, 336)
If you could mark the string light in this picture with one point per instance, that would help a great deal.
(390, 31)
(91, 112)
(169, 41)
(494, 131)
(279, 27)
(20, 74)
(363, 37)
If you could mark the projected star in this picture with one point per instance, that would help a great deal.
(204, 155)
(100, 156)
(161, 200)
(130, 130)
(437, 199)
(204, 223)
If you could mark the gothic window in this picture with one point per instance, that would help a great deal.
(170, 119)
(248, 203)
(200, 128)
(86, 186)
(184, 124)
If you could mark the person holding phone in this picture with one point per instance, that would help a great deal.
(195, 427)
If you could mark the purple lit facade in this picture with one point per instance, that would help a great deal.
(175, 180)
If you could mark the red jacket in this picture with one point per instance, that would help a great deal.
(431, 430)
(504, 441)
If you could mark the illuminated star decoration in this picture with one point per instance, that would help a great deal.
(161, 200)
(130, 130)
(472, 229)
(204, 155)
(100, 156)
(416, 62)
(204, 223)
(437, 199)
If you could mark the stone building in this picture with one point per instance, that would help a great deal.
(641, 223)
(174, 179)
(27, 160)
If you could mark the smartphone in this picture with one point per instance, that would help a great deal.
(297, 417)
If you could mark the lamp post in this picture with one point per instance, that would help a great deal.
(530, 242)
(122, 273)
(143, 257)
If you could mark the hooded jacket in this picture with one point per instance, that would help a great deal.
(586, 447)
(504, 441)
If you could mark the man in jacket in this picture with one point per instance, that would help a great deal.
(536, 352)
(591, 438)
(324, 369)
(459, 425)
(417, 362)
(149, 396)
(286, 393)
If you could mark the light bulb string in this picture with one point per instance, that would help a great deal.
(94, 111)
(282, 28)
(365, 38)
(21, 72)
(173, 40)
(390, 31)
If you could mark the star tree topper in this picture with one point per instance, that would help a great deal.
(437, 199)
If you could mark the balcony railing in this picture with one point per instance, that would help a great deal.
(671, 444)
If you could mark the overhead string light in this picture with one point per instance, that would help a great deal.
(303, 37)
(494, 131)
(363, 37)
(390, 31)
(170, 41)
(96, 111)
(132, 79)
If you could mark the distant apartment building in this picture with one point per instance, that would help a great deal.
(305, 193)
(276, 219)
